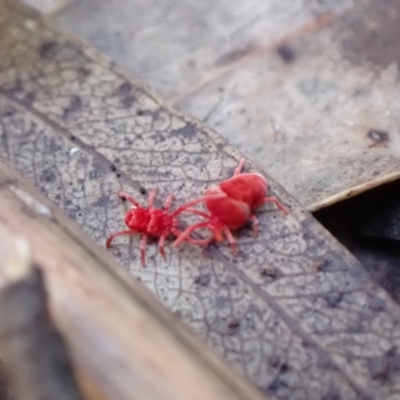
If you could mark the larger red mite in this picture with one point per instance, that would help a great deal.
(240, 196)
(154, 222)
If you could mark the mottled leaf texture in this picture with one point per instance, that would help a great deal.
(309, 89)
(293, 312)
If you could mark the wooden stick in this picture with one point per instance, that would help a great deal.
(124, 342)
(35, 362)
(35, 356)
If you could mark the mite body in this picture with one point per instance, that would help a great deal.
(153, 222)
(148, 222)
(240, 196)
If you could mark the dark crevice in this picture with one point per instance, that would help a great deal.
(369, 226)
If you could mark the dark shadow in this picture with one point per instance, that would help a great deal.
(369, 226)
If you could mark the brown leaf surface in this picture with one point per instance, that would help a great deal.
(308, 89)
(294, 312)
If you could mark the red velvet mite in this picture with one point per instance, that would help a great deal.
(243, 194)
(154, 222)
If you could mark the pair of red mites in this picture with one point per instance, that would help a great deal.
(230, 205)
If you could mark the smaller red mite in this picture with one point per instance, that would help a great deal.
(243, 194)
(154, 221)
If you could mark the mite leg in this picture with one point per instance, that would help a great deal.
(231, 240)
(277, 203)
(239, 167)
(185, 236)
(152, 195)
(202, 242)
(125, 196)
(176, 232)
(120, 233)
(191, 203)
(255, 223)
(198, 212)
(168, 202)
(143, 249)
(161, 244)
